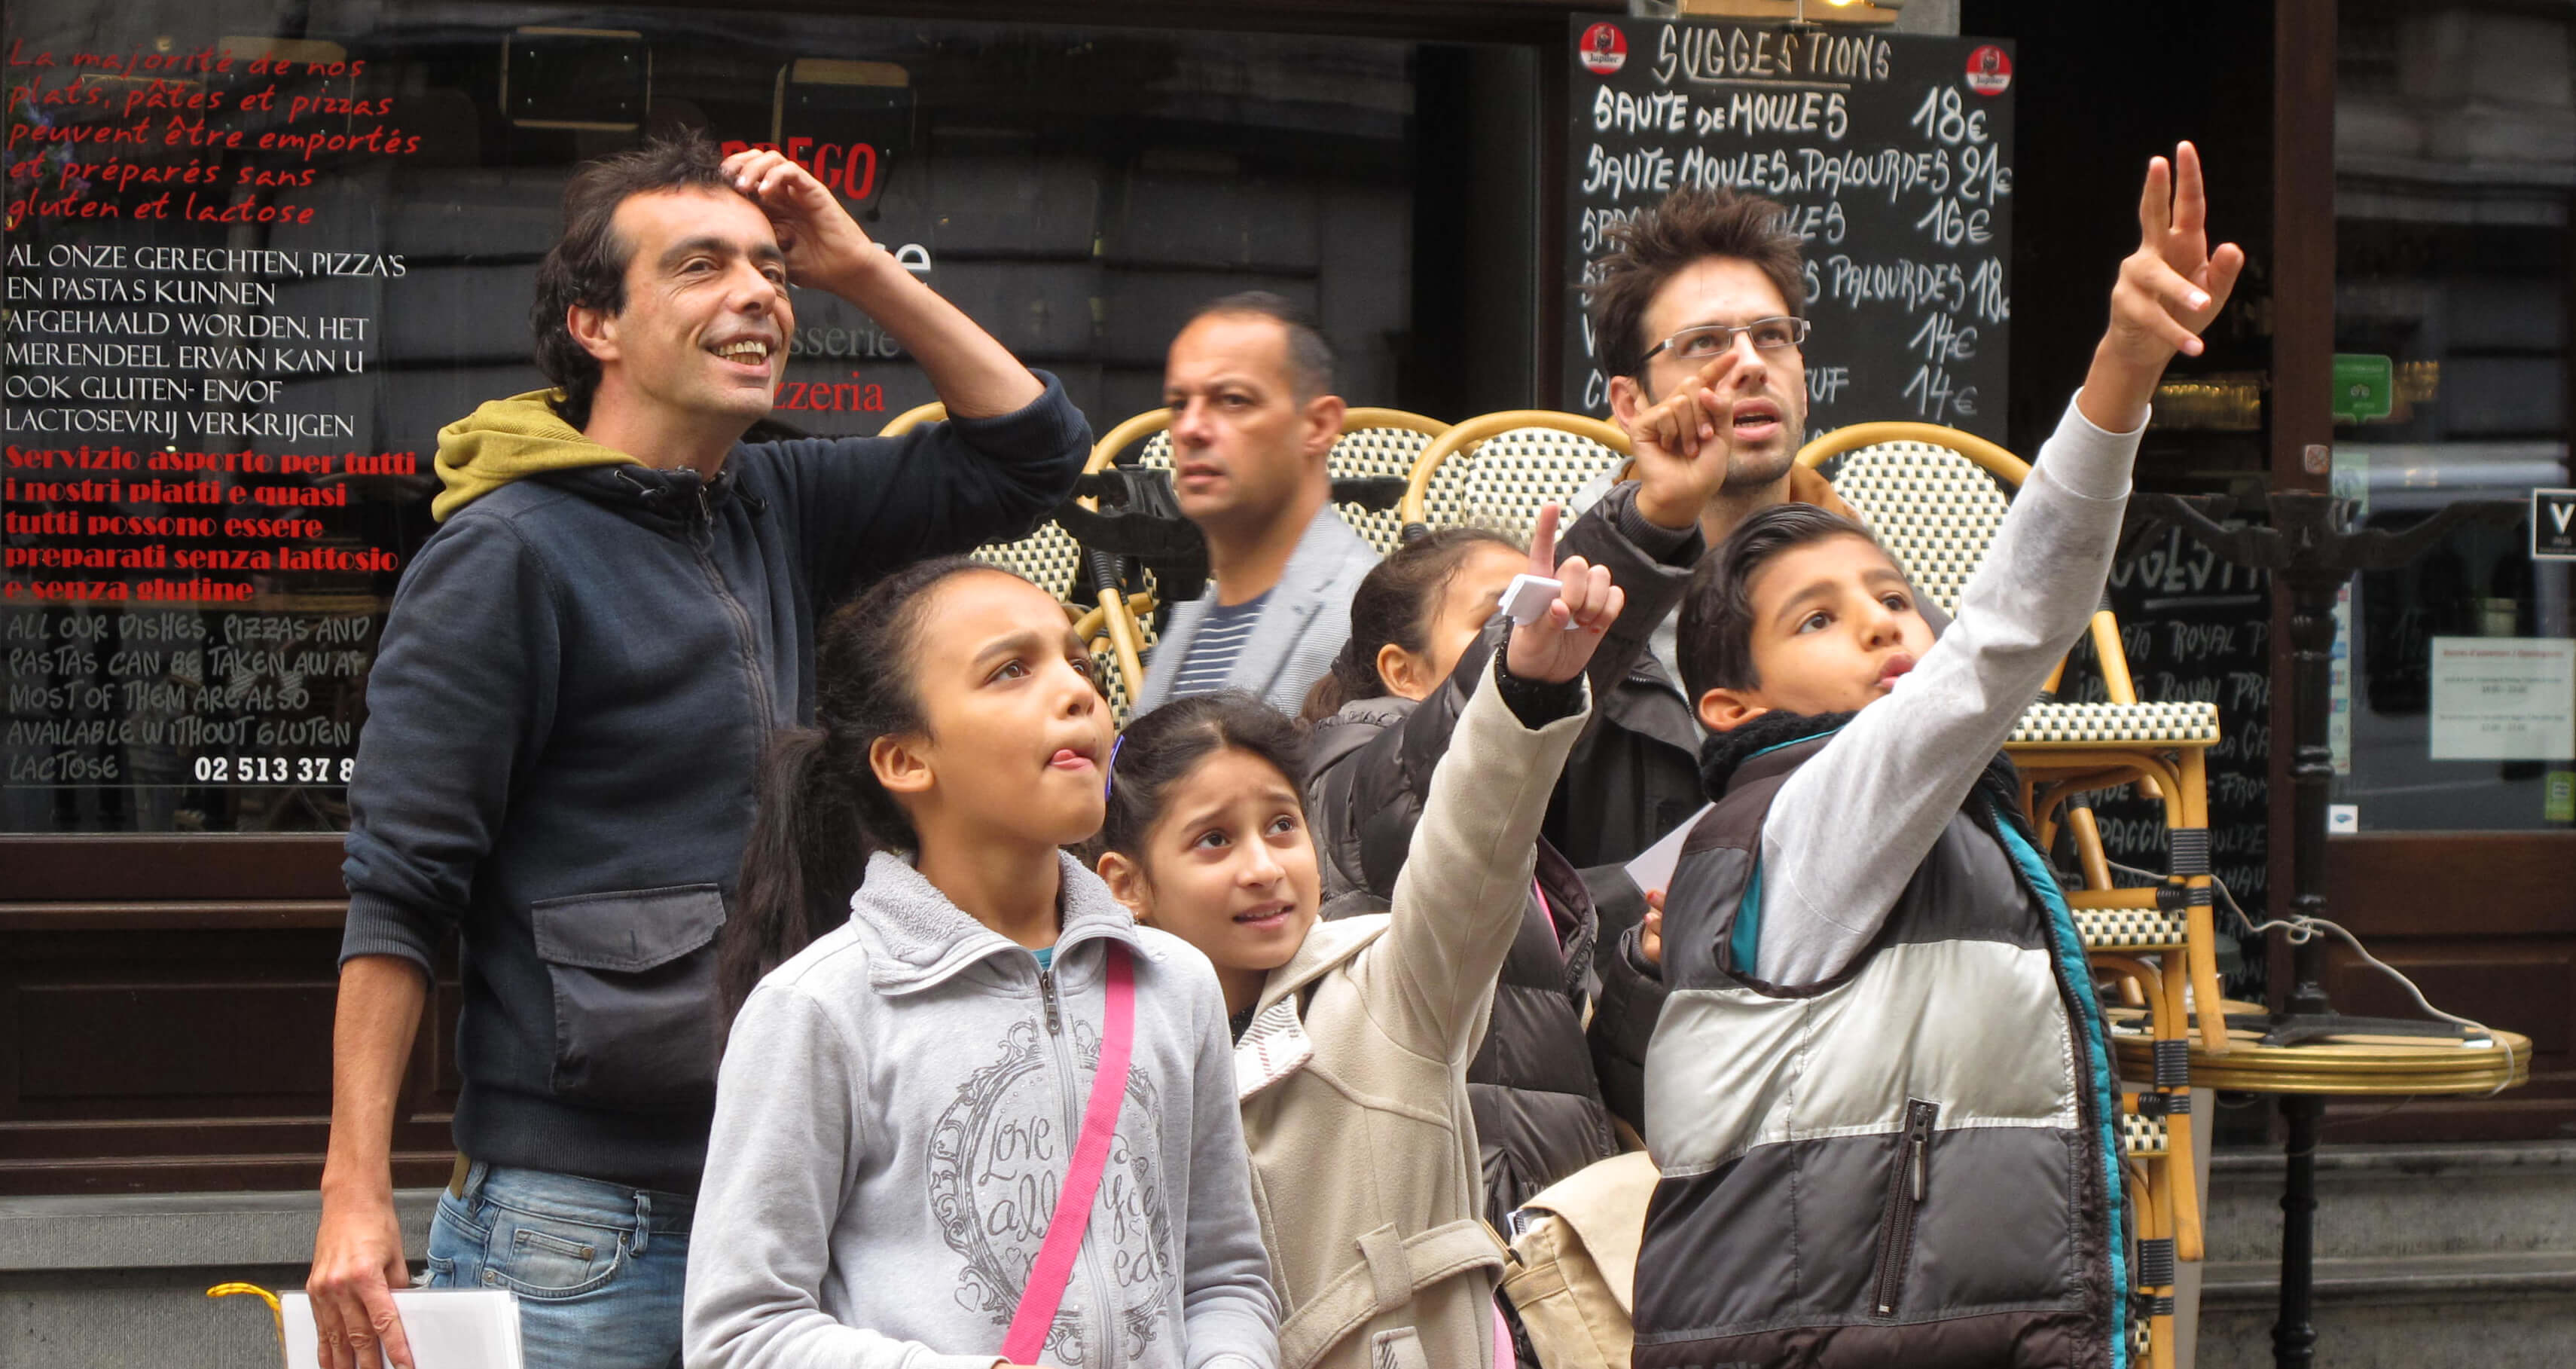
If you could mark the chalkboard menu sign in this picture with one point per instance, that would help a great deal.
(2196, 628)
(1893, 156)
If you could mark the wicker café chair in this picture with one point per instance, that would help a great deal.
(1051, 559)
(1935, 497)
(1496, 471)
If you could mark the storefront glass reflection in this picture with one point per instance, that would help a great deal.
(2455, 132)
(257, 254)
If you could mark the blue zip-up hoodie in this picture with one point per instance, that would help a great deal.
(565, 716)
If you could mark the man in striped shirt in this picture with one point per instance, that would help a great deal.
(1249, 381)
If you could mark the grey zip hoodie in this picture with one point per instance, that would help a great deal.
(895, 1113)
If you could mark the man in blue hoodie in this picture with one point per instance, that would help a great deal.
(580, 669)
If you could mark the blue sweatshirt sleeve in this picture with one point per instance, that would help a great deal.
(462, 689)
(865, 505)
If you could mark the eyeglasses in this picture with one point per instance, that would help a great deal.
(1717, 339)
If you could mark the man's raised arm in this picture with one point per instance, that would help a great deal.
(975, 375)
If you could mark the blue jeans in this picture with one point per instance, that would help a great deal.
(597, 1266)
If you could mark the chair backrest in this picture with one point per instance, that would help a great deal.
(1498, 470)
(914, 417)
(1049, 558)
(1935, 496)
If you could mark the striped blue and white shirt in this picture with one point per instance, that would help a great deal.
(1220, 639)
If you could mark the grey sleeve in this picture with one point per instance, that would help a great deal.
(1228, 1309)
(787, 1133)
(1900, 769)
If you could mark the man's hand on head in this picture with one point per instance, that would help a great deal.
(822, 242)
(1684, 445)
(2169, 290)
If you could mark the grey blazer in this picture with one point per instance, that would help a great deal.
(1302, 625)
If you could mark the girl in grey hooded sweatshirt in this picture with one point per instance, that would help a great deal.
(902, 1091)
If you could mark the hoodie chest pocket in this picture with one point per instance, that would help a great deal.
(634, 984)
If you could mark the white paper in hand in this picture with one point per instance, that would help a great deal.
(1652, 870)
(1526, 598)
(449, 1328)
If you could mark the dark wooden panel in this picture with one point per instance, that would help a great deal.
(192, 1057)
(2519, 984)
(172, 917)
(2453, 883)
(196, 869)
(175, 1041)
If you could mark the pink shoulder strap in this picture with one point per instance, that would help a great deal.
(1053, 1268)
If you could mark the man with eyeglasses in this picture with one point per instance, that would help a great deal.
(1699, 307)
(1702, 302)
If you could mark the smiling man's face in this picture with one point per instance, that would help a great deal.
(704, 331)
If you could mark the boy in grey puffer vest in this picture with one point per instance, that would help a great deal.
(1880, 1092)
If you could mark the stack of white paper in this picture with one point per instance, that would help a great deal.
(449, 1328)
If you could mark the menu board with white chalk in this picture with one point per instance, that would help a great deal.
(1892, 155)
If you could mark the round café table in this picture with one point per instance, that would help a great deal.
(2356, 1066)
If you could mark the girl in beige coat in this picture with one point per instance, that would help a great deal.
(1353, 1036)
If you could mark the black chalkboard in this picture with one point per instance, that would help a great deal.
(1894, 157)
(2195, 627)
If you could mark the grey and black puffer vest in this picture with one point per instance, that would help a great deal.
(1914, 1163)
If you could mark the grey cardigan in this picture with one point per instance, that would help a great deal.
(1301, 628)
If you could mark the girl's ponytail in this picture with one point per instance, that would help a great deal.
(822, 812)
(1353, 676)
(799, 868)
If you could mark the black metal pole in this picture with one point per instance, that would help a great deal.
(2313, 591)
(2294, 1336)
(2312, 597)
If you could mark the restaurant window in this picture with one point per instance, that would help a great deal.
(2455, 158)
(256, 255)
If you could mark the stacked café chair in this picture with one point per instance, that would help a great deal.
(1496, 471)
(1051, 559)
(1935, 497)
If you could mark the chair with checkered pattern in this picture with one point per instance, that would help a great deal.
(1048, 557)
(1496, 471)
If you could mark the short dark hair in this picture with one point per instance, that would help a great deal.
(587, 265)
(1714, 638)
(1690, 225)
(1396, 603)
(1310, 357)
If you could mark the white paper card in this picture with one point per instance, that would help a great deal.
(1652, 870)
(449, 1328)
(2504, 699)
(1527, 597)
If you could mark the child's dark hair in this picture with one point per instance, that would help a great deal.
(1715, 635)
(821, 809)
(1161, 748)
(1395, 604)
